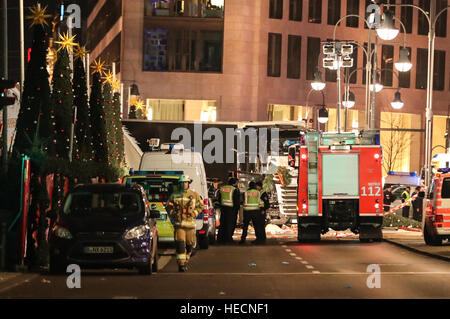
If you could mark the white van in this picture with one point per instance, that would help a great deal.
(191, 164)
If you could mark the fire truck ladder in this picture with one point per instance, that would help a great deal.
(312, 142)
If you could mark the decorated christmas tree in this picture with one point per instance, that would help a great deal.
(33, 119)
(98, 118)
(83, 140)
(62, 101)
(118, 132)
(109, 120)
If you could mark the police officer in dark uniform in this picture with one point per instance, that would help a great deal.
(264, 205)
(229, 199)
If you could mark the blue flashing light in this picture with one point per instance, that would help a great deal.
(62, 12)
(192, 149)
(158, 173)
(413, 174)
(391, 173)
(444, 170)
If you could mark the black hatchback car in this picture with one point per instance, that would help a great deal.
(105, 226)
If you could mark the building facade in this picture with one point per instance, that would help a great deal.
(233, 60)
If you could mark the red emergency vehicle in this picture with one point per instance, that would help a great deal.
(340, 185)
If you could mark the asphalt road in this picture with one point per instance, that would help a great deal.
(333, 268)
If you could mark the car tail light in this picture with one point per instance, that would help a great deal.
(377, 205)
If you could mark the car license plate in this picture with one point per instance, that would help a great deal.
(294, 221)
(98, 250)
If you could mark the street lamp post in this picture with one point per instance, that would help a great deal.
(432, 19)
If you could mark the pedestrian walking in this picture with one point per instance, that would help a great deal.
(263, 206)
(388, 198)
(229, 199)
(184, 206)
(251, 210)
(417, 205)
(405, 199)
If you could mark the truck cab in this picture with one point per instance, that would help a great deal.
(436, 220)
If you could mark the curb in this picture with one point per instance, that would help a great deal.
(417, 250)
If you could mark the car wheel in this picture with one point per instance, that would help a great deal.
(204, 242)
(431, 240)
(155, 259)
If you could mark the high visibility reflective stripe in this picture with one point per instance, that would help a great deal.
(252, 199)
(226, 195)
(181, 257)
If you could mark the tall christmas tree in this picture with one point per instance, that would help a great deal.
(109, 126)
(83, 140)
(34, 109)
(62, 100)
(98, 123)
(118, 132)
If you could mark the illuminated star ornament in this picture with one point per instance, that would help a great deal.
(80, 53)
(66, 42)
(38, 15)
(140, 105)
(98, 67)
(109, 78)
(116, 85)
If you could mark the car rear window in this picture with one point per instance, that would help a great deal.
(105, 203)
(446, 188)
(157, 189)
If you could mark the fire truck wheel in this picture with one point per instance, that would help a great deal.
(431, 240)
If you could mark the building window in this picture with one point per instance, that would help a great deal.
(294, 56)
(274, 55)
(407, 16)
(439, 70)
(182, 50)
(352, 8)
(276, 9)
(334, 11)
(315, 11)
(441, 23)
(404, 78)
(387, 64)
(105, 20)
(312, 58)
(421, 70)
(295, 10)
(185, 8)
(423, 22)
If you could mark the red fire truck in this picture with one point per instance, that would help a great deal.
(340, 185)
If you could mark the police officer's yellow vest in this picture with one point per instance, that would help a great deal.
(408, 196)
(252, 199)
(226, 194)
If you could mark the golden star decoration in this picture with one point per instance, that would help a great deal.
(98, 67)
(116, 85)
(140, 105)
(80, 53)
(38, 15)
(109, 78)
(66, 42)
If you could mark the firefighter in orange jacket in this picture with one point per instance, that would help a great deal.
(184, 207)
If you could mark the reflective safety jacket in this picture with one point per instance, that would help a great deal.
(226, 195)
(252, 200)
(184, 207)
(406, 197)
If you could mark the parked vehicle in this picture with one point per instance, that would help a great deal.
(339, 185)
(436, 219)
(105, 226)
(176, 159)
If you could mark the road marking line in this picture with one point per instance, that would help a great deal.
(316, 272)
(299, 258)
(124, 297)
(17, 281)
(163, 261)
(304, 262)
(309, 267)
(304, 273)
(288, 250)
(293, 254)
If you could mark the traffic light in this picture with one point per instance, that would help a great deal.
(4, 98)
